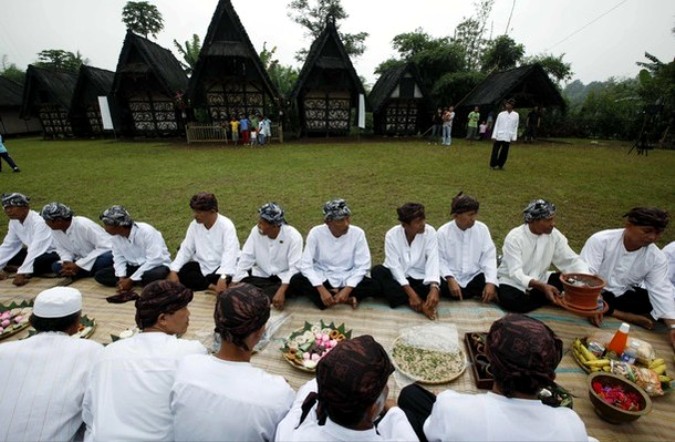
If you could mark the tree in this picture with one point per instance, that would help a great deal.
(142, 18)
(502, 53)
(60, 59)
(190, 52)
(555, 67)
(313, 14)
(11, 71)
(283, 77)
(469, 34)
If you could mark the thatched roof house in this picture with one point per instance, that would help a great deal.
(11, 99)
(229, 78)
(400, 102)
(85, 112)
(328, 87)
(47, 95)
(148, 88)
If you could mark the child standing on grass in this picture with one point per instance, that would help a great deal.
(234, 125)
(5, 155)
(482, 130)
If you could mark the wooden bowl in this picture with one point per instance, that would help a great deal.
(585, 293)
(609, 412)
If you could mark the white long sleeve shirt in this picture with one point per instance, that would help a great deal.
(215, 249)
(267, 257)
(394, 426)
(42, 384)
(82, 242)
(669, 251)
(215, 400)
(34, 234)
(622, 270)
(417, 260)
(128, 397)
(506, 126)
(342, 261)
(463, 254)
(145, 247)
(491, 417)
(526, 256)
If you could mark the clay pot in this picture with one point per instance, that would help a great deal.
(581, 291)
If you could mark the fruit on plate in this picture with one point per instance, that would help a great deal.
(305, 347)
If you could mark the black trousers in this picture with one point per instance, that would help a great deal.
(9, 160)
(416, 402)
(301, 286)
(269, 286)
(107, 276)
(500, 152)
(41, 265)
(190, 275)
(518, 301)
(474, 289)
(392, 291)
(633, 301)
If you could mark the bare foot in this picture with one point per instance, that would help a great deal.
(353, 302)
(634, 318)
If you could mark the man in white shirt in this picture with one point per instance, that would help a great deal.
(207, 257)
(523, 354)
(222, 396)
(467, 255)
(410, 274)
(128, 397)
(82, 245)
(448, 117)
(525, 281)
(669, 251)
(635, 270)
(347, 397)
(335, 261)
(271, 255)
(26, 228)
(43, 378)
(140, 254)
(504, 132)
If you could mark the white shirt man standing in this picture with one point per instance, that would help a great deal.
(503, 134)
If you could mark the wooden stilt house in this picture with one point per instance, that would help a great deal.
(148, 88)
(229, 78)
(328, 87)
(47, 95)
(11, 100)
(85, 112)
(400, 102)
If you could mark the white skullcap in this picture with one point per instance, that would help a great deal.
(57, 302)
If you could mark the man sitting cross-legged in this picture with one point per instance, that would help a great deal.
(409, 274)
(207, 257)
(271, 255)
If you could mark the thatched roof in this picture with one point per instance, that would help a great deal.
(11, 93)
(92, 82)
(59, 86)
(141, 56)
(328, 53)
(529, 85)
(389, 80)
(227, 38)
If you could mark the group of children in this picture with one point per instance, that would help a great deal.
(253, 130)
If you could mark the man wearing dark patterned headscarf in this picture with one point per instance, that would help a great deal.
(140, 255)
(525, 281)
(136, 374)
(207, 257)
(27, 248)
(523, 355)
(235, 388)
(638, 289)
(83, 246)
(335, 261)
(347, 397)
(409, 274)
(271, 254)
(467, 255)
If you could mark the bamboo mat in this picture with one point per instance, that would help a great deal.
(383, 323)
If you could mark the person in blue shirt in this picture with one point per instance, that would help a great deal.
(5, 155)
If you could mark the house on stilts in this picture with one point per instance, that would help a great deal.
(85, 112)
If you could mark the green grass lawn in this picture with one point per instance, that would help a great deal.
(593, 185)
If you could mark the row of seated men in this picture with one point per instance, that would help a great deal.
(155, 386)
(421, 264)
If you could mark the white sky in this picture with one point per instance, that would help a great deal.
(602, 47)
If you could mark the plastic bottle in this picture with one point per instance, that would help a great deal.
(630, 354)
(618, 343)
